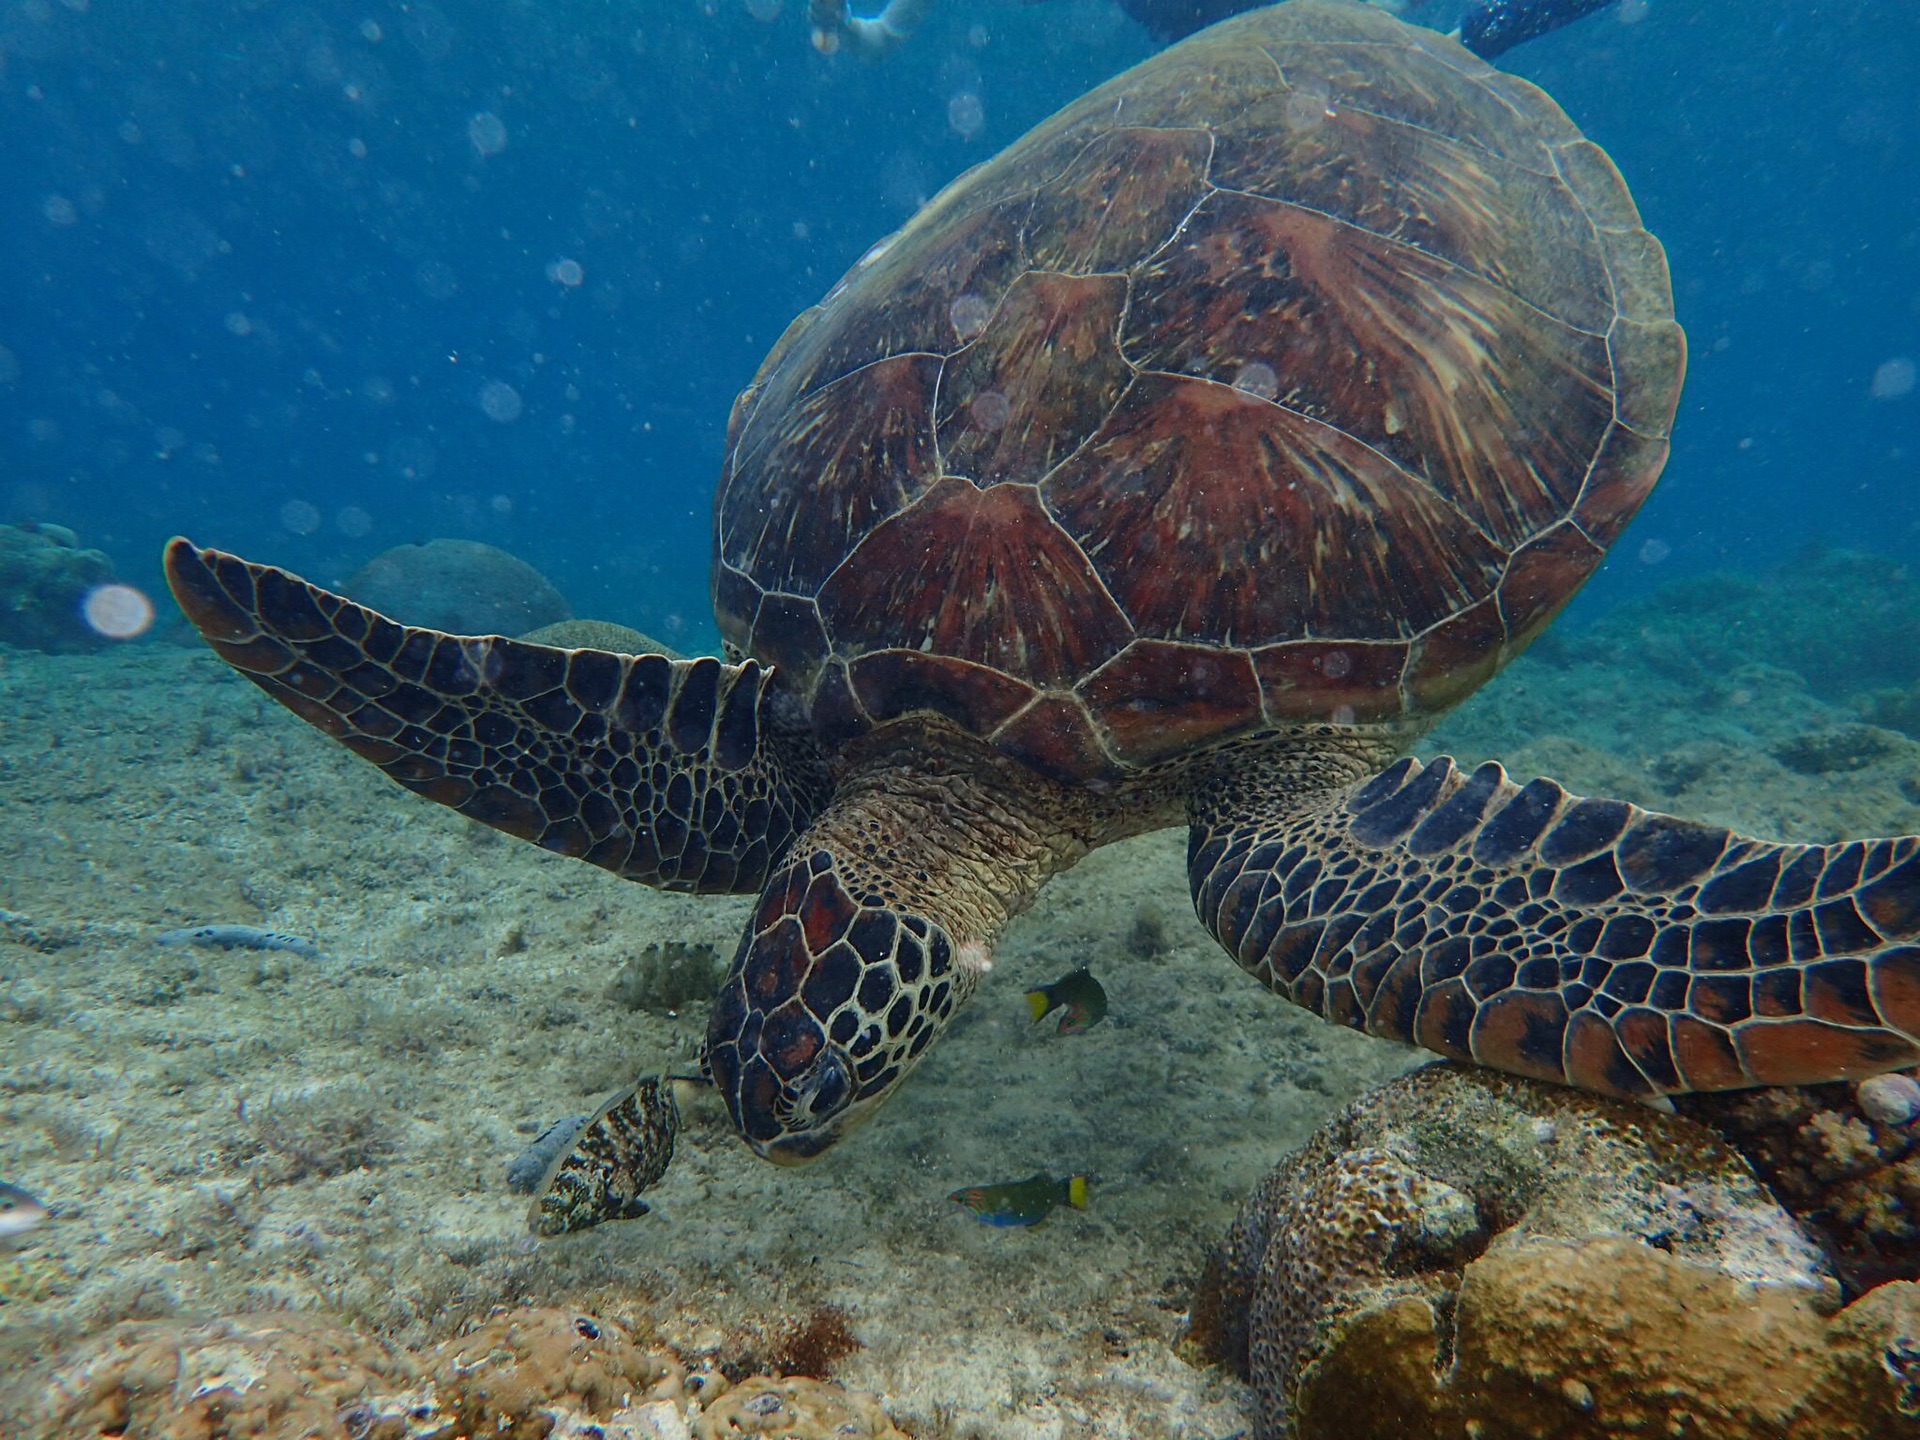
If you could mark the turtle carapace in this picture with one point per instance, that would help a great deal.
(1182, 465)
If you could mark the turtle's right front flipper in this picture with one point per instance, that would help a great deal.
(1588, 942)
(670, 772)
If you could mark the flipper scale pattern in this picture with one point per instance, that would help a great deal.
(1588, 942)
(670, 772)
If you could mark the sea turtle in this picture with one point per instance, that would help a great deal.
(1181, 465)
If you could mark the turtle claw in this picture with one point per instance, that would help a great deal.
(622, 1150)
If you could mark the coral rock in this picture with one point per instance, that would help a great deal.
(1844, 1159)
(1463, 1254)
(795, 1407)
(266, 1376)
(460, 586)
(44, 580)
(509, 1375)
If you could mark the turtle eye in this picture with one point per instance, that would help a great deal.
(825, 1091)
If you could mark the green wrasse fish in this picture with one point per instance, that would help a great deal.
(1079, 994)
(1022, 1202)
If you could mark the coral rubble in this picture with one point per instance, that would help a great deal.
(1468, 1254)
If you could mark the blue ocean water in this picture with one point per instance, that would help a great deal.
(308, 281)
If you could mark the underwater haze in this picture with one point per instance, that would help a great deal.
(309, 281)
(284, 1050)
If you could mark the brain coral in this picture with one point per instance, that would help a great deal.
(460, 586)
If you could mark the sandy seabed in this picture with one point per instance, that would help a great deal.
(231, 1131)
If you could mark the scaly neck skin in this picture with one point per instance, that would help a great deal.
(878, 926)
(1257, 785)
(944, 827)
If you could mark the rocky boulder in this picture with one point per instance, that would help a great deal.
(1465, 1254)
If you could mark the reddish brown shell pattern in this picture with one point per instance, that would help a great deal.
(1300, 374)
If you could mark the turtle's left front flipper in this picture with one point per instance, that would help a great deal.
(1588, 942)
(676, 773)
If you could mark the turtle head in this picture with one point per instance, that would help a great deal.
(832, 998)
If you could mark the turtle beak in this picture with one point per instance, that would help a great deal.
(787, 1087)
(790, 1121)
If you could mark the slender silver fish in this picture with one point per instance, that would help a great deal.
(19, 1212)
(238, 937)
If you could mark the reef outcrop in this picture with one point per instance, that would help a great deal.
(45, 578)
(1465, 1254)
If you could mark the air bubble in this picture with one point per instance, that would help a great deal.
(353, 522)
(969, 315)
(1344, 715)
(966, 115)
(501, 401)
(300, 517)
(566, 272)
(1654, 551)
(765, 11)
(119, 612)
(1893, 379)
(437, 280)
(1336, 664)
(1257, 378)
(59, 211)
(487, 133)
(990, 410)
(1308, 105)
